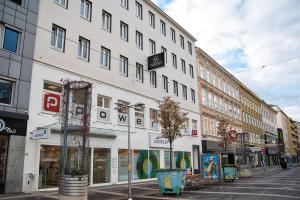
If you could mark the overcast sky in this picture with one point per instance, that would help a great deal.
(243, 36)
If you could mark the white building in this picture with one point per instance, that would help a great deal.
(107, 43)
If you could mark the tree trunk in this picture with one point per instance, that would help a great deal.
(171, 155)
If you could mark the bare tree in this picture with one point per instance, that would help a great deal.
(223, 131)
(172, 121)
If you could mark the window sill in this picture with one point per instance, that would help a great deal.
(89, 20)
(104, 122)
(63, 6)
(104, 29)
(57, 49)
(83, 59)
(152, 129)
(125, 75)
(138, 127)
(10, 51)
(125, 40)
(104, 67)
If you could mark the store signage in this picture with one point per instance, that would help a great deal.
(40, 134)
(51, 102)
(12, 126)
(139, 121)
(103, 114)
(155, 140)
(122, 118)
(194, 133)
(156, 61)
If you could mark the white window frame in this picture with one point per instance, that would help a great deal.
(164, 50)
(140, 111)
(173, 34)
(153, 78)
(60, 3)
(175, 88)
(86, 10)
(163, 30)
(174, 60)
(3, 28)
(103, 106)
(55, 31)
(139, 40)
(81, 48)
(124, 31)
(124, 4)
(139, 72)
(165, 83)
(106, 21)
(203, 96)
(138, 10)
(151, 19)
(152, 47)
(123, 66)
(105, 59)
(191, 70)
(190, 48)
(193, 97)
(183, 66)
(184, 92)
(182, 42)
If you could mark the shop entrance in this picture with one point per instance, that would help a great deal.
(3, 159)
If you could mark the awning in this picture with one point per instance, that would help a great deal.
(94, 131)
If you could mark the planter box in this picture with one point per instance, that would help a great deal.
(229, 172)
(171, 181)
(73, 187)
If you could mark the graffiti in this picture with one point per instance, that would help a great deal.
(210, 166)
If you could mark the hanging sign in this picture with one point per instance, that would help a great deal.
(13, 126)
(40, 134)
(156, 61)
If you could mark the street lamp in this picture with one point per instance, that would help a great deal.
(128, 106)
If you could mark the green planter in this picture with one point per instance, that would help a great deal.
(171, 181)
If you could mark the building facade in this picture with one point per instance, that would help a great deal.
(252, 126)
(270, 134)
(218, 98)
(18, 20)
(107, 43)
(293, 138)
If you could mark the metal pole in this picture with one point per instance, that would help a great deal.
(129, 156)
(243, 137)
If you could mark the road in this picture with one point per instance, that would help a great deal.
(270, 183)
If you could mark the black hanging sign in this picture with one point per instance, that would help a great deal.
(12, 126)
(156, 61)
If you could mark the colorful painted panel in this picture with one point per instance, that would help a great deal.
(210, 166)
(229, 173)
(183, 160)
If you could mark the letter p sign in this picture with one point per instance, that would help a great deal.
(51, 102)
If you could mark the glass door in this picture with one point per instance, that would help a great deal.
(3, 158)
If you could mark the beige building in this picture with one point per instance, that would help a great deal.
(218, 98)
(293, 139)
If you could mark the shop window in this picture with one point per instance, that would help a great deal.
(122, 164)
(140, 117)
(101, 166)
(49, 166)
(103, 108)
(51, 97)
(6, 91)
(146, 163)
(180, 160)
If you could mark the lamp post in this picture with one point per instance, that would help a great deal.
(128, 106)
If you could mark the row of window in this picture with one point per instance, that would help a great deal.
(250, 104)
(86, 13)
(254, 138)
(213, 101)
(268, 115)
(251, 120)
(218, 82)
(268, 128)
(104, 109)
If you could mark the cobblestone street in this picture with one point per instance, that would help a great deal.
(269, 183)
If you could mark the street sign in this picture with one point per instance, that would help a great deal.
(156, 61)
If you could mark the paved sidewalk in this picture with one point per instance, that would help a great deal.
(269, 183)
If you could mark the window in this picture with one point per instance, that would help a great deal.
(103, 108)
(10, 39)
(212, 127)
(221, 104)
(173, 35)
(106, 21)
(210, 100)
(151, 19)
(124, 31)
(124, 4)
(182, 41)
(152, 48)
(123, 66)
(174, 60)
(58, 35)
(191, 71)
(84, 49)
(190, 48)
(202, 72)
(175, 88)
(164, 50)
(6, 91)
(139, 40)
(216, 107)
(123, 112)
(86, 10)
(63, 3)
(165, 83)
(183, 67)
(139, 10)
(163, 28)
(139, 72)
(153, 116)
(184, 92)
(153, 81)
(203, 96)
(194, 124)
(139, 116)
(186, 127)
(193, 96)
(105, 58)
(205, 128)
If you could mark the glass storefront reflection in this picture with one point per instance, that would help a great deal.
(123, 164)
(101, 167)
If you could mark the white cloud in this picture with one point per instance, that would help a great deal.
(263, 32)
